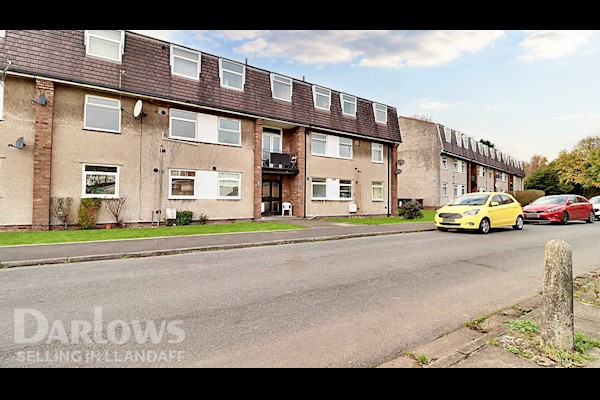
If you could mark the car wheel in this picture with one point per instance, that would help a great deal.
(484, 226)
(591, 218)
(443, 229)
(564, 218)
(519, 224)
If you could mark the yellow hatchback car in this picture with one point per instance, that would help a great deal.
(480, 211)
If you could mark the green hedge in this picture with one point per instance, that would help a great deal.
(527, 196)
(87, 214)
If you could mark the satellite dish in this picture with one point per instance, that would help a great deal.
(42, 99)
(398, 171)
(137, 109)
(19, 144)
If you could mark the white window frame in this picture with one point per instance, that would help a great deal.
(348, 99)
(444, 189)
(465, 141)
(2, 33)
(238, 180)
(493, 154)
(223, 70)
(195, 121)
(321, 137)
(2, 83)
(481, 171)
(463, 190)
(486, 150)
(85, 112)
(480, 147)
(459, 166)
(85, 174)
(345, 185)
(281, 80)
(448, 134)
(320, 182)
(345, 142)
(219, 129)
(192, 178)
(96, 36)
(315, 90)
(377, 149)
(445, 163)
(380, 108)
(377, 185)
(458, 137)
(482, 189)
(473, 144)
(197, 61)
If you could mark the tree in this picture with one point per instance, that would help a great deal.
(487, 143)
(581, 166)
(548, 180)
(537, 161)
(427, 118)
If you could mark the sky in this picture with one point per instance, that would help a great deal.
(527, 91)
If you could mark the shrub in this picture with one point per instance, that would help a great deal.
(410, 210)
(115, 206)
(61, 208)
(203, 219)
(87, 214)
(183, 217)
(527, 196)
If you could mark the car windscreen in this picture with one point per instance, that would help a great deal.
(551, 200)
(595, 200)
(471, 200)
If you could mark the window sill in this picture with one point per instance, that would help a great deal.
(327, 156)
(102, 130)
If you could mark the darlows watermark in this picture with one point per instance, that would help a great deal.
(32, 327)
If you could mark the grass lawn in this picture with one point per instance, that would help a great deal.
(15, 238)
(428, 216)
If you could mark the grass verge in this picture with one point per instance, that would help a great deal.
(428, 216)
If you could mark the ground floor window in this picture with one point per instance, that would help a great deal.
(100, 181)
(197, 184)
(445, 189)
(331, 189)
(377, 190)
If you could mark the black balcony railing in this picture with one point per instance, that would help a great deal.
(281, 162)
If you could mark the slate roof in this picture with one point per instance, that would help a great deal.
(60, 54)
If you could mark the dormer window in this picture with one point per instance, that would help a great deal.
(448, 134)
(322, 98)
(380, 111)
(233, 75)
(185, 63)
(458, 139)
(281, 87)
(109, 45)
(348, 104)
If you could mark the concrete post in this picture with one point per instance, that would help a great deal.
(557, 298)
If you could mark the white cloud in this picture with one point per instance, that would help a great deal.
(553, 44)
(577, 117)
(432, 105)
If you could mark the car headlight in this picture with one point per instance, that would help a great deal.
(553, 209)
(471, 212)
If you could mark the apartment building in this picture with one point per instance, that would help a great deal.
(116, 114)
(443, 163)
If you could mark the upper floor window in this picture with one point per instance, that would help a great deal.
(380, 111)
(486, 150)
(459, 166)
(348, 104)
(492, 153)
(281, 87)
(465, 141)
(2, 33)
(445, 162)
(345, 150)
(185, 63)
(481, 171)
(321, 98)
(102, 114)
(183, 124)
(445, 189)
(100, 181)
(204, 128)
(230, 131)
(458, 139)
(448, 134)
(480, 147)
(318, 143)
(109, 45)
(377, 153)
(473, 144)
(233, 75)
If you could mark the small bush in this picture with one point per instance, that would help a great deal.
(61, 208)
(87, 214)
(183, 217)
(203, 218)
(410, 210)
(527, 196)
(115, 206)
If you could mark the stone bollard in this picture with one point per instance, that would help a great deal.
(557, 298)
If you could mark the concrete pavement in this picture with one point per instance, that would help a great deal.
(485, 342)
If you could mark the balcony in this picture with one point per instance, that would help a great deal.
(279, 163)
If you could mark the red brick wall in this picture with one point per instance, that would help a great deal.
(42, 156)
(258, 127)
(293, 185)
(394, 181)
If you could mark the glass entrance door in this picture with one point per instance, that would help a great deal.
(271, 197)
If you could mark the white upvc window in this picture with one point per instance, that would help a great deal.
(486, 150)
(459, 166)
(448, 134)
(345, 189)
(445, 189)
(100, 181)
(182, 184)
(492, 154)
(482, 189)
(458, 138)
(182, 124)
(2, 33)
(2, 83)
(503, 177)
(345, 148)
(380, 111)
(102, 114)
(105, 44)
(480, 147)
(465, 141)
(445, 163)
(232, 74)
(459, 190)
(377, 191)
(348, 104)
(318, 143)
(281, 87)
(319, 188)
(321, 98)
(481, 171)
(230, 185)
(377, 153)
(490, 174)
(473, 144)
(230, 131)
(185, 63)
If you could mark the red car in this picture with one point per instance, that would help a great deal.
(560, 208)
